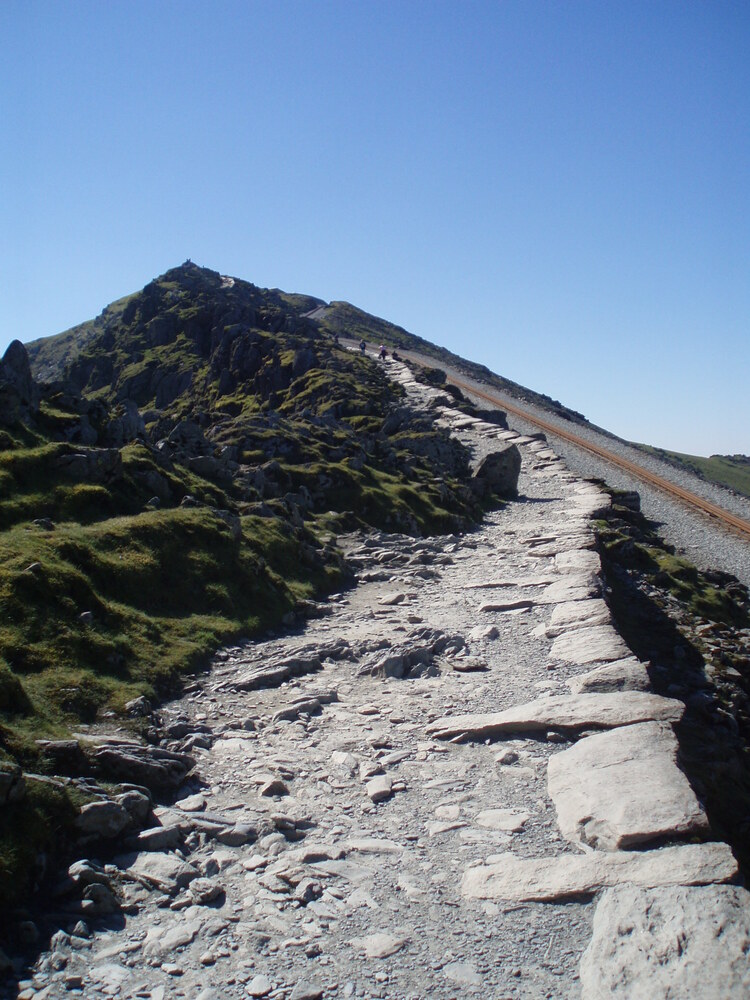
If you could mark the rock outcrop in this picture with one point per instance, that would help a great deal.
(19, 394)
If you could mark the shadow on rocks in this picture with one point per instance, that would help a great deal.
(713, 734)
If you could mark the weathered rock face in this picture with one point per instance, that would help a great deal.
(623, 788)
(677, 942)
(498, 473)
(19, 394)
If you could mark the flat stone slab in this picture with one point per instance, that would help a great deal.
(628, 674)
(571, 876)
(577, 560)
(571, 587)
(582, 711)
(578, 614)
(596, 644)
(500, 606)
(521, 581)
(623, 787)
(672, 943)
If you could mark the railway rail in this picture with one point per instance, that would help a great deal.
(728, 520)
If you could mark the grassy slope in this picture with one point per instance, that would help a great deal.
(732, 471)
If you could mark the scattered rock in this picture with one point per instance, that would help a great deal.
(273, 788)
(379, 945)
(463, 973)
(502, 819)
(166, 872)
(259, 986)
(306, 991)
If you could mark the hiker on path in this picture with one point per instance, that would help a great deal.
(382, 353)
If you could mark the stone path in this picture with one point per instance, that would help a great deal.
(433, 791)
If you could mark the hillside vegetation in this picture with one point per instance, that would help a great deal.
(732, 471)
(173, 480)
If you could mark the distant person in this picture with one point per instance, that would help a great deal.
(336, 339)
(383, 354)
(362, 346)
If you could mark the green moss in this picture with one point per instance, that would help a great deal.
(642, 550)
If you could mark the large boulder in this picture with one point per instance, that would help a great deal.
(498, 473)
(19, 394)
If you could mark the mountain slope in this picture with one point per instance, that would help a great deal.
(178, 480)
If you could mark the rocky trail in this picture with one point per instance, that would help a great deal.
(455, 781)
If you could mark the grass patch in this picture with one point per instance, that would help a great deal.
(732, 471)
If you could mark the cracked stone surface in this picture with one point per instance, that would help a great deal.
(623, 788)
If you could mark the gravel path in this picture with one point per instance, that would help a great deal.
(332, 844)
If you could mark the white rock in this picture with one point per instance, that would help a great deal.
(373, 845)
(583, 711)
(463, 973)
(387, 600)
(595, 644)
(570, 875)
(502, 819)
(677, 942)
(379, 788)
(259, 986)
(622, 788)
(449, 812)
(438, 827)
(379, 945)
(578, 560)
(571, 588)
(628, 674)
(161, 942)
(577, 614)
(192, 803)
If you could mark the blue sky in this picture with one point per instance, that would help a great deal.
(559, 190)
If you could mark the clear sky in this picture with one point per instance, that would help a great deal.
(559, 190)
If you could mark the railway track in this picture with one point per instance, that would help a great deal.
(732, 522)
